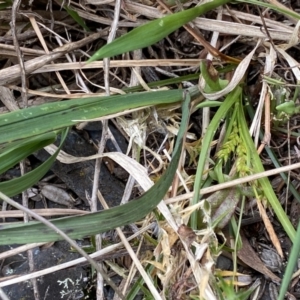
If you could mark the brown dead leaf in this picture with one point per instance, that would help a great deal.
(249, 257)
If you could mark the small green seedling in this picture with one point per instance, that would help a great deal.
(289, 108)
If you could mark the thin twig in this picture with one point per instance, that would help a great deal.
(10, 74)
(235, 182)
(98, 238)
(96, 255)
(19, 250)
(14, 10)
(42, 41)
(136, 261)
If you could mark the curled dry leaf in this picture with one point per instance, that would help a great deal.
(248, 256)
(130, 165)
(238, 75)
(292, 63)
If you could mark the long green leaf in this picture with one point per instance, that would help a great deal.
(264, 182)
(292, 262)
(11, 156)
(18, 185)
(154, 31)
(80, 226)
(228, 103)
(274, 159)
(54, 116)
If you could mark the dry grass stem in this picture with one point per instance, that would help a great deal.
(19, 250)
(136, 262)
(234, 182)
(43, 212)
(11, 74)
(95, 255)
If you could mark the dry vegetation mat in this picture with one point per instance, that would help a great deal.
(152, 144)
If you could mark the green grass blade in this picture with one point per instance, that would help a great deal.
(54, 116)
(274, 159)
(132, 294)
(22, 149)
(80, 226)
(164, 82)
(228, 103)
(209, 104)
(77, 18)
(292, 262)
(154, 31)
(5, 4)
(18, 185)
(264, 182)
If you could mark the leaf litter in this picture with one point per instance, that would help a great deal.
(184, 259)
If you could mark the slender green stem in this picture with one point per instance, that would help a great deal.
(291, 265)
(264, 182)
(229, 101)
